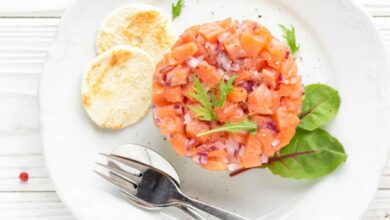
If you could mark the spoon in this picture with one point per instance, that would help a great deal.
(154, 159)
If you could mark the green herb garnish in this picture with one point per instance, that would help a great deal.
(224, 89)
(204, 112)
(309, 155)
(289, 36)
(245, 125)
(320, 105)
(176, 9)
(313, 152)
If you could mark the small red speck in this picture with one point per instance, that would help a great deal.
(23, 176)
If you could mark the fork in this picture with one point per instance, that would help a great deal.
(191, 212)
(154, 189)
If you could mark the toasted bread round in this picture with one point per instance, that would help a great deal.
(137, 25)
(116, 88)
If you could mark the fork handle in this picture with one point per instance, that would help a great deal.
(190, 211)
(210, 209)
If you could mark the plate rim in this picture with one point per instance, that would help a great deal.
(355, 6)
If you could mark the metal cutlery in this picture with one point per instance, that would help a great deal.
(152, 188)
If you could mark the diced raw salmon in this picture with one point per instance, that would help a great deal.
(208, 73)
(211, 31)
(260, 101)
(233, 47)
(185, 51)
(253, 144)
(230, 113)
(195, 127)
(179, 142)
(214, 165)
(249, 160)
(167, 111)
(178, 76)
(158, 95)
(173, 94)
(284, 119)
(270, 76)
(251, 44)
(172, 125)
(238, 94)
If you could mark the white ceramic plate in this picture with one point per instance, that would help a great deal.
(340, 46)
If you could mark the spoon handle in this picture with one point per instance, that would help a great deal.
(191, 212)
(212, 210)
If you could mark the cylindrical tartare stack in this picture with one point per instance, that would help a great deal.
(265, 90)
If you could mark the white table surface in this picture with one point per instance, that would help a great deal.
(27, 28)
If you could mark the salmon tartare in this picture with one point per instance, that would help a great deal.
(227, 95)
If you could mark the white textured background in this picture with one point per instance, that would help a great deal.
(27, 28)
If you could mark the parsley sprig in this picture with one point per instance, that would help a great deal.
(289, 36)
(245, 125)
(176, 8)
(199, 93)
(205, 112)
(224, 89)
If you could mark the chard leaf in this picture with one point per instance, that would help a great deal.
(309, 155)
(320, 105)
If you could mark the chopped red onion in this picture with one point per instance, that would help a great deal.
(192, 62)
(200, 57)
(224, 61)
(166, 69)
(204, 154)
(264, 159)
(275, 143)
(169, 76)
(188, 146)
(233, 166)
(187, 118)
(235, 67)
(155, 115)
(200, 159)
(232, 146)
(241, 151)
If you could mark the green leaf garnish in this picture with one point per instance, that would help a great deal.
(289, 36)
(224, 89)
(320, 105)
(204, 112)
(310, 154)
(245, 125)
(176, 9)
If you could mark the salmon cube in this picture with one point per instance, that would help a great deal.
(252, 45)
(158, 95)
(185, 51)
(260, 101)
(230, 113)
(238, 94)
(208, 73)
(232, 46)
(249, 160)
(179, 142)
(178, 76)
(173, 94)
(253, 144)
(211, 31)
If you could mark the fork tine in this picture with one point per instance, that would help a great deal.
(135, 179)
(136, 165)
(125, 188)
